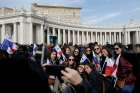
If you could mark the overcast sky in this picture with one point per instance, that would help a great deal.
(94, 12)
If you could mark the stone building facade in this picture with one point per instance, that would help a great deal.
(42, 21)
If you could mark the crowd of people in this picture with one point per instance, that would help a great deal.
(92, 68)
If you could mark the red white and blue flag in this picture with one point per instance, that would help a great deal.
(8, 45)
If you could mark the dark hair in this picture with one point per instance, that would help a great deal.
(119, 45)
(74, 64)
(134, 59)
(76, 49)
(91, 65)
(108, 50)
(49, 56)
(23, 73)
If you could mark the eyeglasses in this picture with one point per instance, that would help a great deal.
(71, 59)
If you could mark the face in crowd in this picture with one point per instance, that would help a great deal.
(88, 51)
(97, 49)
(53, 55)
(76, 52)
(117, 49)
(80, 68)
(88, 69)
(104, 52)
(68, 51)
(71, 60)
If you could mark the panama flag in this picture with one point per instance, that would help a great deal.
(60, 54)
(84, 59)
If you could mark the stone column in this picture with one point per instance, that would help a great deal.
(128, 37)
(91, 36)
(15, 32)
(53, 30)
(136, 37)
(114, 37)
(42, 39)
(73, 36)
(101, 38)
(59, 36)
(82, 37)
(86, 37)
(31, 33)
(48, 36)
(125, 37)
(3, 32)
(68, 36)
(78, 37)
(96, 39)
(110, 38)
(64, 38)
(105, 38)
(21, 37)
(120, 37)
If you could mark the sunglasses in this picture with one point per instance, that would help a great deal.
(116, 48)
(96, 48)
(71, 59)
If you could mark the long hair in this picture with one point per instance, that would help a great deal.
(108, 50)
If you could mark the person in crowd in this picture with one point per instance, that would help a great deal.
(54, 84)
(19, 73)
(118, 49)
(53, 60)
(67, 52)
(108, 62)
(77, 56)
(93, 76)
(97, 80)
(97, 56)
(97, 52)
(79, 85)
(81, 69)
(71, 62)
(127, 73)
(89, 54)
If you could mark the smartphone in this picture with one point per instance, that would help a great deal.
(54, 69)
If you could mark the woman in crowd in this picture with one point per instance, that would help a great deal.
(71, 62)
(52, 59)
(77, 56)
(81, 70)
(92, 76)
(97, 81)
(128, 73)
(97, 52)
(67, 52)
(89, 54)
(108, 62)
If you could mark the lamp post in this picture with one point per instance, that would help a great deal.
(43, 46)
(123, 33)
